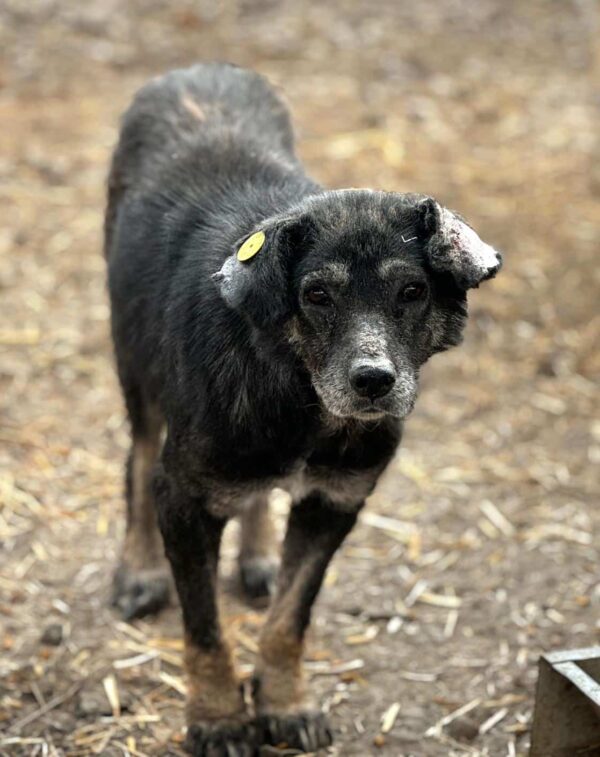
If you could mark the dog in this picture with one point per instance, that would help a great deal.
(267, 332)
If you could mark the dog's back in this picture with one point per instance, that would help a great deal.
(187, 116)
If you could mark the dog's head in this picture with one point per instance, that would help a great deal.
(365, 286)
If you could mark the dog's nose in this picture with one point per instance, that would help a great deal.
(372, 381)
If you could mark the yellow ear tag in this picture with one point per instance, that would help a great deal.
(251, 246)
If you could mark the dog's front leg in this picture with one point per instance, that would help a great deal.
(315, 531)
(217, 722)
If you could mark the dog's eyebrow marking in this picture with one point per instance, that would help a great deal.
(336, 273)
(390, 268)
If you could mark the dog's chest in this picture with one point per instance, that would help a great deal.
(344, 489)
(341, 464)
(344, 477)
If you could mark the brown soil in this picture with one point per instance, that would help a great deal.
(492, 107)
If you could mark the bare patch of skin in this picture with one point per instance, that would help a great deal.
(192, 107)
(467, 246)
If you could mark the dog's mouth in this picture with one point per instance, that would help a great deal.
(368, 411)
(369, 414)
(375, 411)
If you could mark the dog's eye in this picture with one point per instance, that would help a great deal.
(316, 295)
(413, 292)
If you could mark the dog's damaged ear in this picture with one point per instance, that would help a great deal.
(453, 247)
(255, 279)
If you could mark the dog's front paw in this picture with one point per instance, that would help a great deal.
(258, 576)
(137, 593)
(308, 730)
(223, 738)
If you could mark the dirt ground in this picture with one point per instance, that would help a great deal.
(478, 550)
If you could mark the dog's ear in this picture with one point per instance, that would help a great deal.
(255, 279)
(453, 247)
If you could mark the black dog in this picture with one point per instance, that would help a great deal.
(276, 330)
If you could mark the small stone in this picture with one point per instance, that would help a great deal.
(52, 635)
(463, 729)
(93, 704)
(63, 722)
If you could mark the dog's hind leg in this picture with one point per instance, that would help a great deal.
(142, 580)
(315, 531)
(257, 556)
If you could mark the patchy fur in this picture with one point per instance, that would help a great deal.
(294, 368)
